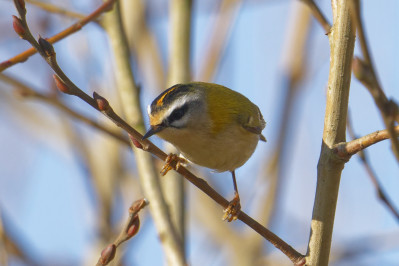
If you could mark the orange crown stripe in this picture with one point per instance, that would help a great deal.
(160, 101)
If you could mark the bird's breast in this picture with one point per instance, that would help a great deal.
(224, 151)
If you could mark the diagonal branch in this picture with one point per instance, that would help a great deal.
(27, 92)
(318, 15)
(22, 57)
(56, 9)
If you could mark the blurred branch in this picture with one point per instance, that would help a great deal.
(56, 9)
(9, 247)
(364, 71)
(363, 158)
(26, 92)
(22, 57)
(179, 72)
(65, 85)
(218, 38)
(318, 15)
(149, 177)
(144, 45)
(365, 247)
(294, 68)
(329, 168)
(388, 108)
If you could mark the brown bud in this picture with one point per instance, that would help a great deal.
(107, 254)
(18, 26)
(61, 85)
(47, 47)
(102, 103)
(136, 142)
(133, 228)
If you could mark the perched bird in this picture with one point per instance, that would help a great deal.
(211, 126)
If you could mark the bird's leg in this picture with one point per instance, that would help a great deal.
(234, 208)
(173, 161)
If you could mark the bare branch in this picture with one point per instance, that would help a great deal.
(56, 9)
(342, 41)
(130, 229)
(22, 57)
(346, 149)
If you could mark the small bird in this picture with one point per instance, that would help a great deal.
(211, 126)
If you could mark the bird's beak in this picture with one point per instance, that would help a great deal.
(153, 130)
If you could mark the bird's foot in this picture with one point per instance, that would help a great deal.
(173, 161)
(232, 211)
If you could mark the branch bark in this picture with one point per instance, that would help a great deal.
(330, 167)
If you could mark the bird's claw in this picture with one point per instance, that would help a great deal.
(172, 162)
(233, 210)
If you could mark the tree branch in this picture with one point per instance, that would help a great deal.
(346, 149)
(329, 168)
(22, 57)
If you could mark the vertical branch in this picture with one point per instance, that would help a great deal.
(129, 95)
(179, 72)
(329, 167)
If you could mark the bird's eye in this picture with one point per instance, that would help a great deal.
(177, 113)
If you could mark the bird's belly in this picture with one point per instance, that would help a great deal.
(223, 153)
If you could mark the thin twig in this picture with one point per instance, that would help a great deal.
(22, 57)
(363, 158)
(346, 149)
(130, 229)
(56, 9)
(24, 91)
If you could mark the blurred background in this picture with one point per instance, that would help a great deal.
(65, 187)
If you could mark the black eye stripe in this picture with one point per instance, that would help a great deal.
(177, 113)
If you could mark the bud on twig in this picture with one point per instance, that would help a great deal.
(102, 103)
(133, 227)
(61, 85)
(107, 254)
(135, 142)
(47, 47)
(18, 26)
